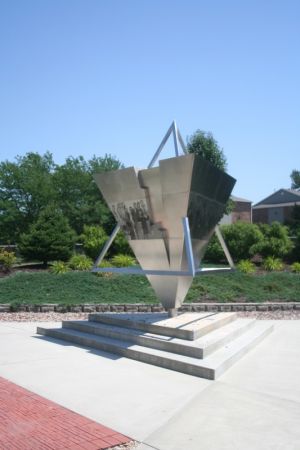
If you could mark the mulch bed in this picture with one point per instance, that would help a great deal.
(58, 317)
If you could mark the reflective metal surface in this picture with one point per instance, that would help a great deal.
(150, 204)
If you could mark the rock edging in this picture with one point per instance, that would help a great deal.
(141, 307)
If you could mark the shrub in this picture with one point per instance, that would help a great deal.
(241, 239)
(80, 262)
(295, 256)
(7, 259)
(272, 264)
(93, 239)
(123, 261)
(246, 266)
(49, 239)
(105, 263)
(276, 241)
(214, 252)
(120, 245)
(59, 267)
(295, 267)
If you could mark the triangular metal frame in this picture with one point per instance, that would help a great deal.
(178, 142)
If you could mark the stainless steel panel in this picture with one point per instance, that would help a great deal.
(150, 181)
(175, 208)
(203, 213)
(119, 185)
(151, 254)
(176, 174)
(149, 206)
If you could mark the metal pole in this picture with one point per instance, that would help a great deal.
(175, 137)
(188, 245)
(224, 247)
(181, 142)
(107, 245)
(161, 146)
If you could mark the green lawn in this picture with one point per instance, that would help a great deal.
(85, 287)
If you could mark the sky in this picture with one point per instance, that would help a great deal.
(85, 77)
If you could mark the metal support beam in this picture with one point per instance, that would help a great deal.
(107, 245)
(131, 270)
(188, 245)
(161, 146)
(181, 142)
(192, 271)
(175, 137)
(224, 247)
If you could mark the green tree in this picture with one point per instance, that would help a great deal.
(294, 221)
(78, 195)
(295, 256)
(50, 238)
(203, 143)
(33, 181)
(25, 187)
(295, 177)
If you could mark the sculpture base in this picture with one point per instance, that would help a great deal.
(188, 325)
(172, 312)
(223, 340)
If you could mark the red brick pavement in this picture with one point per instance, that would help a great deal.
(31, 422)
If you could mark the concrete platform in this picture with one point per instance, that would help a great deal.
(203, 345)
(199, 348)
(188, 326)
(255, 404)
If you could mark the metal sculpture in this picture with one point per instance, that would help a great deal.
(168, 214)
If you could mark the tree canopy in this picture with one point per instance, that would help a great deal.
(25, 187)
(33, 181)
(49, 238)
(203, 143)
(295, 177)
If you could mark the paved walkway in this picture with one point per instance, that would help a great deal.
(30, 422)
(254, 405)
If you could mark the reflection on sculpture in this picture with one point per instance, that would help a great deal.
(135, 220)
(150, 204)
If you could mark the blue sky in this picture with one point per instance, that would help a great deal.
(84, 77)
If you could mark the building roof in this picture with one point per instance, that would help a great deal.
(239, 199)
(282, 197)
(276, 205)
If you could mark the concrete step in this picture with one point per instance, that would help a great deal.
(188, 326)
(199, 348)
(211, 367)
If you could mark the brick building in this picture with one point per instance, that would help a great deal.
(242, 211)
(277, 207)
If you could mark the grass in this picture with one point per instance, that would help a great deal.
(276, 286)
(74, 288)
(84, 287)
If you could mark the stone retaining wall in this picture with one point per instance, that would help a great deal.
(141, 307)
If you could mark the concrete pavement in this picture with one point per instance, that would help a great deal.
(255, 404)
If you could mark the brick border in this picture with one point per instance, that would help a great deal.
(142, 307)
(31, 422)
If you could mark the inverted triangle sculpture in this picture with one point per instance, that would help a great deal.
(168, 214)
